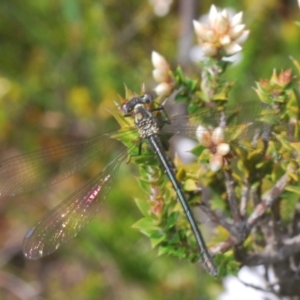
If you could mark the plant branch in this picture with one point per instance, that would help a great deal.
(269, 256)
(232, 199)
(223, 246)
(268, 200)
(244, 198)
(220, 220)
(265, 290)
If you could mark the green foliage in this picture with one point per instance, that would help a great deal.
(262, 151)
(227, 264)
(62, 63)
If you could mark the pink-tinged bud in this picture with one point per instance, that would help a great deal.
(203, 136)
(159, 62)
(223, 149)
(285, 78)
(216, 162)
(157, 206)
(264, 84)
(163, 89)
(218, 135)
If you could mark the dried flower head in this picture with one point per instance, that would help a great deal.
(222, 33)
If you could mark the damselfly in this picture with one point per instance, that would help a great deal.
(25, 173)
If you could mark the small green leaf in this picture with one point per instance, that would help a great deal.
(146, 226)
(218, 203)
(178, 73)
(143, 206)
(227, 265)
(172, 220)
(190, 185)
(195, 107)
(157, 238)
(222, 96)
(293, 189)
(163, 250)
(192, 85)
(197, 151)
(180, 98)
(181, 174)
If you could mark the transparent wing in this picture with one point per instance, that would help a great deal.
(231, 116)
(42, 168)
(245, 122)
(68, 218)
(46, 167)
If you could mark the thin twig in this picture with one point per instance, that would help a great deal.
(223, 246)
(276, 223)
(265, 290)
(244, 198)
(220, 220)
(232, 199)
(290, 247)
(268, 200)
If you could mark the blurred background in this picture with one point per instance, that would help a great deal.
(61, 64)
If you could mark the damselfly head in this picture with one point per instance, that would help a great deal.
(146, 98)
(128, 107)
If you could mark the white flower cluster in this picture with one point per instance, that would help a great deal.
(215, 141)
(222, 33)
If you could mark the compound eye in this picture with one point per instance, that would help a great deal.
(125, 108)
(147, 98)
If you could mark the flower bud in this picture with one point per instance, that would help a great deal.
(233, 48)
(160, 76)
(203, 136)
(159, 62)
(216, 162)
(218, 135)
(221, 24)
(285, 78)
(200, 29)
(163, 89)
(223, 149)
